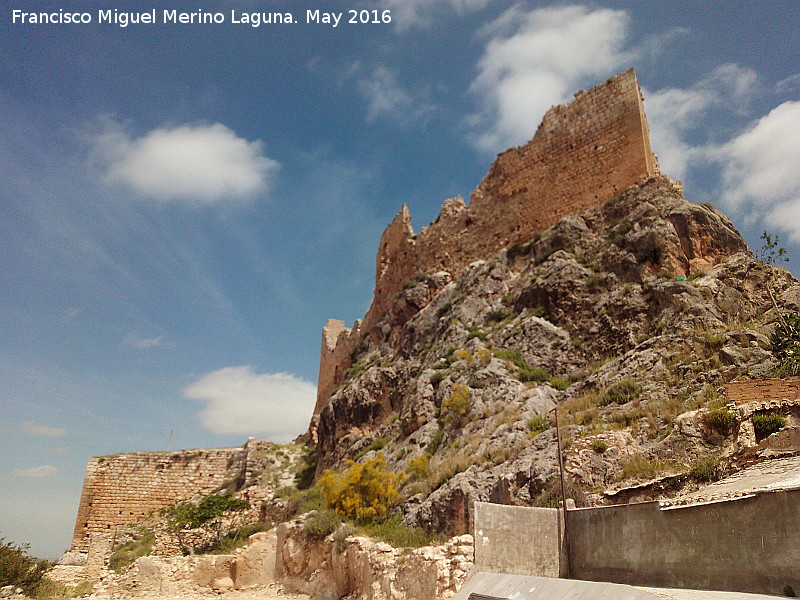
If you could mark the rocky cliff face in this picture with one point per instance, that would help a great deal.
(624, 316)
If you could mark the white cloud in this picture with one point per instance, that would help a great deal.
(387, 98)
(406, 13)
(242, 402)
(32, 428)
(203, 164)
(36, 472)
(760, 175)
(536, 59)
(135, 341)
(673, 114)
(789, 85)
(71, 313)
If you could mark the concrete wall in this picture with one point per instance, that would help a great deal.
(516, 539)
(584, 153)
(749, 545)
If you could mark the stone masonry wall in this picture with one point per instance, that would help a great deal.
(584, 153)
(121, 489)
(763, 390)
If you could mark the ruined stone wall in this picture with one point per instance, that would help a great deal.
(584, 153)
(120, 489)
(763, 390)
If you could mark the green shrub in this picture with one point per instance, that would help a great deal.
(377, 444)
(721, 420)
(436, 441)
(474, 332)
(560, 384)
(18, 568)
(620, 393)
(364, 492)
(186, 515)
(419, 466)
(304, 478)
(237, 538)
(322, 523)
(768, 423)
(495, 316)
(394, 532)
(124, 556)
(537, 424)
(299, 502)
(599, 446)
(518, 249)
(533, 374)
(705, 470)
(437, 378)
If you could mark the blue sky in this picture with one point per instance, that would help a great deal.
(182, 207)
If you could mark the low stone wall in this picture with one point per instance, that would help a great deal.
(337, 566)
(250, 567)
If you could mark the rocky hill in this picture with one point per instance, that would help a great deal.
(627, 316)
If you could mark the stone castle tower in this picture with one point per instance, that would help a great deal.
(583, 153)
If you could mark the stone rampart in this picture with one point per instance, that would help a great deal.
(122, 489)
(584, 153)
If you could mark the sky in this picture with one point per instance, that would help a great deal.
(184, 205)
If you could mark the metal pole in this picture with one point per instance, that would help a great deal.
(563, 497)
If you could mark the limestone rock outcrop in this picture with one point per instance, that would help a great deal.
(624, 315)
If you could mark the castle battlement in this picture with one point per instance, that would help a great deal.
(584, 153)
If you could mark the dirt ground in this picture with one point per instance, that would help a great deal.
(270, 592)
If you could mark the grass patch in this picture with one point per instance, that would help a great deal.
(642, 467)
(238, 538)
(537, 424)
(48, 589)
(721, 420)
(436, 441)
(126, 554)
(620, 393)
(377, 444)
(322, 523)
(299, 502)
(706, 470)
(765, 424)
(395, 533)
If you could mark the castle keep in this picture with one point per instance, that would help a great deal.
(583, 153)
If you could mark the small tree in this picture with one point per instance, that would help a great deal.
(186, 516)
(364, 492)
(19, 569)
(770, 252)
(785, 341)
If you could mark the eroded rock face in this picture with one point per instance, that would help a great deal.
(250, 567)
(647, 290)
(337, 566)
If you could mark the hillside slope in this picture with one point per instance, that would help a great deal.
(625, 316)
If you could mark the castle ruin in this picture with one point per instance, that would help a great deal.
(584, 153)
